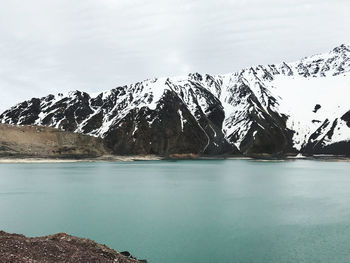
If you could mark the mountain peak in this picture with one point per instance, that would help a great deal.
(342, 48)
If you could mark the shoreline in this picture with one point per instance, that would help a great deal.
(130, 158)
(107, 158)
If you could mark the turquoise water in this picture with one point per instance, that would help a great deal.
(187, 211)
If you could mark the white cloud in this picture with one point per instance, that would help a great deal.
(50, 46)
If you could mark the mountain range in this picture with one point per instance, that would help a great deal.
(279, 109)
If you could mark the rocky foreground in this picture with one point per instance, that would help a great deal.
(57, 248)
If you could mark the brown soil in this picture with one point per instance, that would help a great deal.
(60, 247)
(184, 156)
(37, 141)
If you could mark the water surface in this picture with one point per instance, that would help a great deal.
(187, 211)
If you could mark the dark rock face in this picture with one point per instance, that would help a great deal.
(26, 112)
(319, 141)
(314, 145)
(257, 126)
(338, 148)
(57, 248)
(268, 138)
(268, 132)
(317, 107)
(237, 113)
(157, 131)
(168, 129)
(346, 118)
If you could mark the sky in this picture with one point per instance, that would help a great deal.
(52, 46)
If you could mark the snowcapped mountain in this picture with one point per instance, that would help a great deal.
(276, 109)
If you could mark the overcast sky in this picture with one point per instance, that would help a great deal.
(51, 46)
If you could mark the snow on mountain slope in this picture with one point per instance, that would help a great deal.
(312, 101)
(276, 109)
(295, 89)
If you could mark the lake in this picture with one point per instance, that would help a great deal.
(187, 211)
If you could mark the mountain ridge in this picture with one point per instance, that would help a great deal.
(276, 109)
